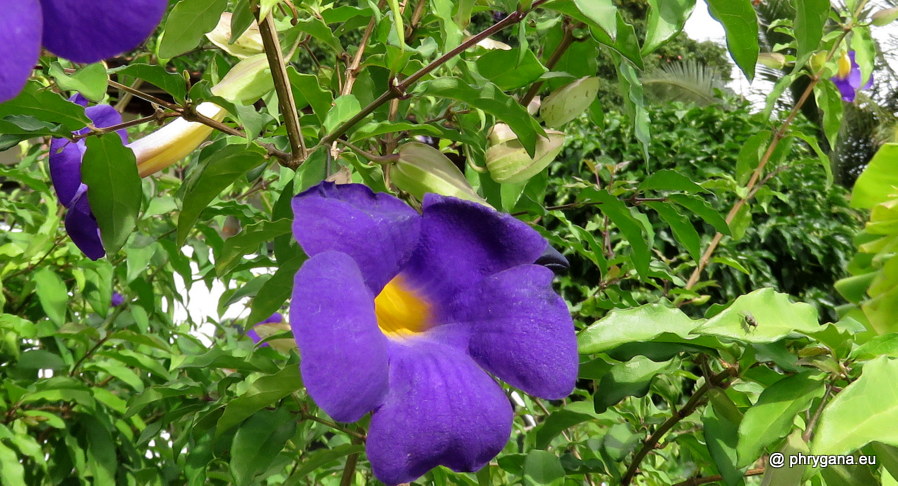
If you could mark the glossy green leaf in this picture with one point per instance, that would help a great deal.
(262, 393)
(631, 229)
(90, 81)
(187, 22)
(542, 467)
(740, 22)
(852, 419)
(666, 19)
(669, 180)
(171, 83)
(634, 325)
(775, 476)
(275, 291)
(810, 17)
(248, 241)
(344, 108)
(572, 414)
(634, 102)
(681, 227)
(703, 210)
(830, 102)
(217, 170)
(632, 378)
(52, 294)
(879, 181)
(491, 100)
(762, 316)
(602, 12)
(721, 435)
(770, 418)
(45, 105)
(510, 69)
(257, 443)
(114, 189)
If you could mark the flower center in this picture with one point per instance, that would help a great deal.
(400, 311)
(844, 66)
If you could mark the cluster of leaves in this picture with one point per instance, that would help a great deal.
(685, 373)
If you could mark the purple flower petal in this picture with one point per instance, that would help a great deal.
(845, 88)
(442, 409)
(82, 227)
(89, 31)
(252, 334)
(20, 44)
(117, 299)
(520, 330)
(276, 317)
(344, 354)
(462, 242)
(66, 155)
(378, 231)
(65, 168)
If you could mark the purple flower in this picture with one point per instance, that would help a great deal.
(65, 172)
(848, 77)
(408, 315)
(117, 299)
(83, 31)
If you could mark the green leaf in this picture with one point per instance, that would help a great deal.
(36, 359)
(741, 25)
(572, 414)
(762, 316)
(248, 241)
(681, 227)
(669, 180)
(275, 291)
(257, 443)
(721, 434)
(344, 108)
(187, 22)
(666, 19)
(830, 101)
(114, 189)
(639, 324)
(101, 456)
(156, 75)
(542, 467)
(750, 155)
(822, 156)
(775, 476)
(634, 102)
(602, 12)
(217, 170)
(11, 470)
(703, 210)
(52, 294)
(771, 417)
(510, 69)
(631, 229)
(492, 100)
(45, 105)
(863, 412)
(810, 17)
(632, 378)
(879, 181)
(306, 89)
(317, 459)
(90, 81)
(262, 393)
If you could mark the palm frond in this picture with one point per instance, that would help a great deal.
(688, 81)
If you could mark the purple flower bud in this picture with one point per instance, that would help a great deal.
(117, 299)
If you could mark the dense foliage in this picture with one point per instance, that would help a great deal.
(733, 303)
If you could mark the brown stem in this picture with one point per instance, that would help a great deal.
(716, 477)
(399, 89)
(559, 51)
(349, 468)
(755, 176)
(282, 87)
(696, 400)
(809, 431)
(352, 70)
(137, 121)
(145, 96)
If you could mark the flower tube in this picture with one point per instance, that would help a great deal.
(82, 31)
(408, 315)
(174, 141)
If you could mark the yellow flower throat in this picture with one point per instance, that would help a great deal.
(844, 66)
(400, 311)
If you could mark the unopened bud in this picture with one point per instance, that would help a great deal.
(508, 161)
(885, 16)
(773, 60)
(248, 44)
(422, 169)
(174, 141)
(818, 61)
(569, 102)
(247, 81)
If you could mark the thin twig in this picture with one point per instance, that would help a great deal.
(696, 400)
(349, 468)
(756, 175)
(399, 90)
(145, 96)
(809, 431)
(559, 51)
(284, 92)
(157, 117)
(716, 477)
(352, 70)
